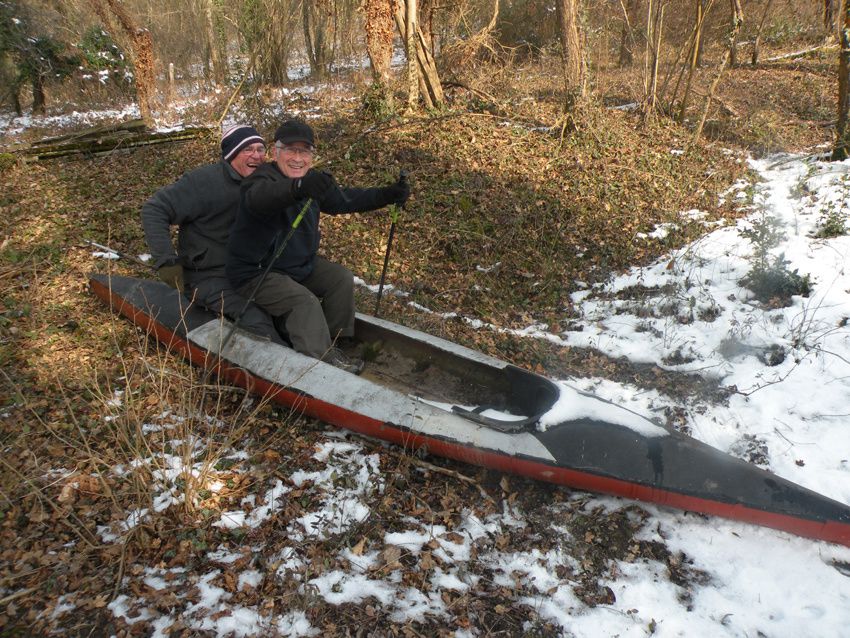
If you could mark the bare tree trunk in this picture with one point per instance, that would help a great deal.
(277, 45)
(828, 16)
(268, 28)
(308, 39)
(697, 36)
(216, 40)
(689, 48)
(841, 150)
(627, 35)
(39, 100)
(733, 35)
(145, 74)
(706, 4)
(426, 23)
(141, 51)
(737, 21)
(757, 39)
(379, 38)
(427, 77)
(571, 51)
(316, 19)
(410, 45)
(654, 29)
(16, 100)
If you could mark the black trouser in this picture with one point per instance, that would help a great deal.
(212, 290)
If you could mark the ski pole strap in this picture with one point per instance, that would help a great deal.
(395, 212)
(300, 216)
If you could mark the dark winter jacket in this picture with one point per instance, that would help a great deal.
(266, 214)
(203, 204)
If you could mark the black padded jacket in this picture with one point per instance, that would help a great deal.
(267, 211)
(203, 203)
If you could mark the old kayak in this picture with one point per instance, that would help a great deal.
(426, 393)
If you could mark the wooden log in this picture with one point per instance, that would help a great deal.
(131, 126)
(109, 142)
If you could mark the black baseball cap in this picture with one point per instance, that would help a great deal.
(294, 131)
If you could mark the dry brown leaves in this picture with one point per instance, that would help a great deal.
(506, 214)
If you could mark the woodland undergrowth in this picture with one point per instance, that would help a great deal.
(511, 212)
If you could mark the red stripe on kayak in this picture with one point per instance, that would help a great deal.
(832, 531)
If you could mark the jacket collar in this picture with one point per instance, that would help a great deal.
(230, 171)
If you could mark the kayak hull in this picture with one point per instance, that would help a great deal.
(417, 394)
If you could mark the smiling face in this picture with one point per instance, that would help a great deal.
(294, 159)
(248, 159)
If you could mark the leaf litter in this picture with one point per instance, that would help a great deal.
(300, 530)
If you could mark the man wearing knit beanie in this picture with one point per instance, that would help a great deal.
(203, 204)
(237, 139)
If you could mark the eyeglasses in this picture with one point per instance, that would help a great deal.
(258, 149)
(295, 150)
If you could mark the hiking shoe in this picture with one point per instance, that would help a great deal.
(339, 359)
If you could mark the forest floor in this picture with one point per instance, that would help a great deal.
(514, 208)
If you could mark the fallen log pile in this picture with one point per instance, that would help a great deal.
(107, 139)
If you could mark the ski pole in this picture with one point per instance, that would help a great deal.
(394, 213)
(262, 278)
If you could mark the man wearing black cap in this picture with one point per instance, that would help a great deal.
(311, 298)
(203, 204)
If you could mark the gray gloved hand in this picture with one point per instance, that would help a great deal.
(172, 274)
(313, 185)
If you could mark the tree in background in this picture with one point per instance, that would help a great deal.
(411, 26)
(737, 21)
(654, 30)
(692, 60)
(475, 41)
(267, 28)
(754, 58)
(379, 47)
(140, 46)
(841, 150)
(427, 8)
(735, 28)
(30, 58)
(627, 35)
(102, 55)
(423, 80)
(319, 39)
(572, 51)
(828, 16)
(216, 39)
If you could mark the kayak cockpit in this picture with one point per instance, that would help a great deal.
(468, 383)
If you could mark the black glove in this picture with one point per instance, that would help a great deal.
(399, 192)
(172, 274)
(315, 184)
